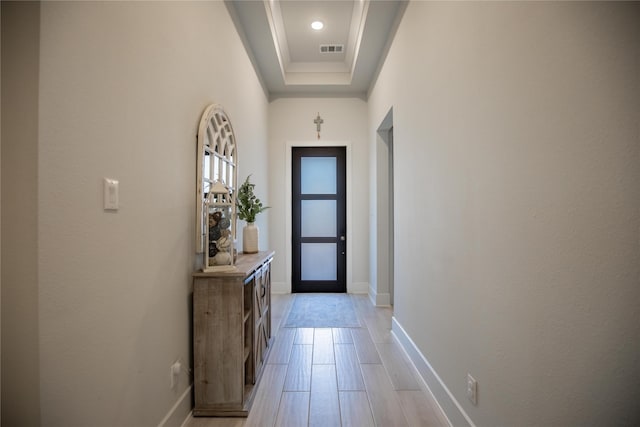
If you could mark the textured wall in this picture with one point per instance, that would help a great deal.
(518, 205)
(121, 90)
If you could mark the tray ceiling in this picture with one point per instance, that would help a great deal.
(293, 60)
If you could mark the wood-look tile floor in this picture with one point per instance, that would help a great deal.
(332, 377)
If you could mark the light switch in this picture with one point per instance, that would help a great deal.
(111, 201)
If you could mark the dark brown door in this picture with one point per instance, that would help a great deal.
(319, 219)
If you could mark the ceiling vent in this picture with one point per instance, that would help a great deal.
(331, 48)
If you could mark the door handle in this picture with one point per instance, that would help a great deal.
(342, 238)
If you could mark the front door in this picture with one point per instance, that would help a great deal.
(319, 219)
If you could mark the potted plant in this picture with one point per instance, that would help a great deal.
(248, 207)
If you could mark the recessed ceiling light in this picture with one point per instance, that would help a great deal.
(317, 25)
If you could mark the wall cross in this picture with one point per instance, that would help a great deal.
(318, 121)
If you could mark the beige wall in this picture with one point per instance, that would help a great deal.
(20, 340)
(121, 90)
(0, 219)
(518, 204)
(291, 122)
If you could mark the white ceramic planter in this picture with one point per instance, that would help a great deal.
(250, 238)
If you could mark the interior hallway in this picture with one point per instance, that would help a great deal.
(516, 227)
(337, 377)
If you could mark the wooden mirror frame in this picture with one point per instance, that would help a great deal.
(217, 158)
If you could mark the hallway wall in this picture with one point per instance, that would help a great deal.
(20, 364)
(122, 86)
(517, 204)
(291, 121)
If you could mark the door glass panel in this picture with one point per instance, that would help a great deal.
(318, 261)
(319, 218)
(318, 175)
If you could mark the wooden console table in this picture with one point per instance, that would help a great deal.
(231, 335)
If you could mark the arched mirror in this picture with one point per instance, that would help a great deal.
(216, 179)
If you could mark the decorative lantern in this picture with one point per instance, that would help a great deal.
(219, 219)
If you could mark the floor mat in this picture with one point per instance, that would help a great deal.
(322, 311)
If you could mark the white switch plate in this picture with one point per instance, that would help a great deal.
(111, 197)
(472, 389)
(175, 370)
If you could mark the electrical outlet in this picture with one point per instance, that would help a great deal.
(472, 389)
(174, 373)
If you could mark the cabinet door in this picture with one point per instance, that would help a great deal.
(249, 331)
(266, 300)
(218, 344)
(260, 335)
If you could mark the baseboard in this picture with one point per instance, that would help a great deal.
(358, 288)
(379, 299)
(280, 288)
(383, 300)
(448, 403)
(180, 413)
(372, 295)
(186, 421)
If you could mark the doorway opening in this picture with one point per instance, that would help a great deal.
(385, 212)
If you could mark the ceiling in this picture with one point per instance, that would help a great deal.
(286, 51)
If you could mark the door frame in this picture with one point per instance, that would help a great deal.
(384, 269)
(288, 205)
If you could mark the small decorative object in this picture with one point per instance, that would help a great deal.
(248, 207)
(318, 121)
(219, 211)
(250, 239)
(223, 244)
